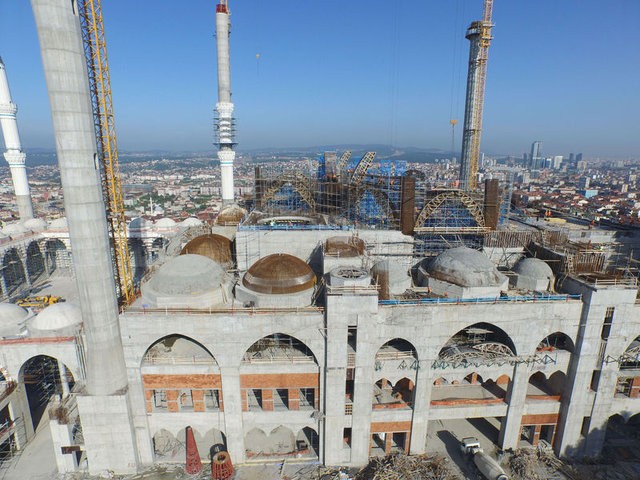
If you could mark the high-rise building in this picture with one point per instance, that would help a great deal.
(535, 159)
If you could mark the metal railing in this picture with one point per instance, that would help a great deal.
(506, 299)
(151, 360)
(228, 310)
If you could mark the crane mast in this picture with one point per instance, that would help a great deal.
(95, 47)
(479, 35)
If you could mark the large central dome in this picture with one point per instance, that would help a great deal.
(279, 273)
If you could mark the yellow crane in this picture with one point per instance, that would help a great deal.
(95, 46)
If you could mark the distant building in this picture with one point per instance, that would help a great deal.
(535, 160)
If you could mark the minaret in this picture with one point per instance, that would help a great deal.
(14, 154)
(224, 107)
(479, 35)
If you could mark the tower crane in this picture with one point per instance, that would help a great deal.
(95, 47)
(479, 34)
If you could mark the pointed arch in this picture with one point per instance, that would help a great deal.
(451, 196)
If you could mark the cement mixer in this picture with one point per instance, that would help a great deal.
(487, 465)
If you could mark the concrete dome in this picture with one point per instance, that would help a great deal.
(59, 224)
(35, 224)
(57, 317)
(279, 273)
(183, 279)
(534, 268)
(231, 215)
(215, 247)
(10, 313)
(191, 222)
(392, 277)
(15, 230)
(165, 223)
(139, 223)
(465, 267)
(11, 316)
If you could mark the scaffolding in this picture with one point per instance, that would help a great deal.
(351, 190)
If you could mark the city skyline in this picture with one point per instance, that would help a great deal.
(358, 75)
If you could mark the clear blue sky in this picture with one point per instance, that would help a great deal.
(356, 71)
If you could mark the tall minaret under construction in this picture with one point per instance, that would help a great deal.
(224, 107)
(479, 36)
(14, 154)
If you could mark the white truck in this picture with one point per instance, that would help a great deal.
(487, 465)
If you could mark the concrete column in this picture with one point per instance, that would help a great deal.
(516, 398)
(65, 71)
(3, 284)
(234, 430)
(63, 379)
(334, 381)
(23, 261)
(421, 408)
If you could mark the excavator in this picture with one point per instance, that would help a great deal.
(39, 301)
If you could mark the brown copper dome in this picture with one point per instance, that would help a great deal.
(279, 273)
(216, 247)
(231, 215)
(344, 246)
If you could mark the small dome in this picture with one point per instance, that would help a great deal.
(11, 318)
(14, 230)
(216, 247)
(344, 246)
(59, 224)
(465, 267)
(185, 275)
(10, 313)
(231, 215)
(139, 223)
(57, 317)
(165, 223)
(279, 273)
(35, 224)
(191, 222)
(534, 268)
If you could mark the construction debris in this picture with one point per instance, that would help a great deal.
(402, 467)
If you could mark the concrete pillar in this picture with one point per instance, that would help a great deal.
(516, 398)
(64, 382)
(234, 430)
(3, 284)
(27, 278)
(335, 381)
(421, 408)
(63, 59)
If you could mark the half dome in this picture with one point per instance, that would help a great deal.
(465, 267)
(57, 317)
(215, 247)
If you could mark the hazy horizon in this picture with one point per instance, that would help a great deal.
(355, 73)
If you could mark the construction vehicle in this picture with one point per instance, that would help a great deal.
(39, 302)
(487, 465)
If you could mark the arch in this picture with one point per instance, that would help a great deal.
(451, 196)
(165, 444)
(299, 183)
(542, 387)
(397, 348)
(365, 195)
(630, 359)
(42, 379)
(480, 343)
(255, 441)
(216, 441)
(13, 270)
(556, 341)
(54, 251)
(308, 442)
(176, 349)
(278, 348)
(35, 261)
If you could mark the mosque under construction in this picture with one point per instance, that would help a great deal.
(335, 317)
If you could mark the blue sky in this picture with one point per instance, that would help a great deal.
(356, 71)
